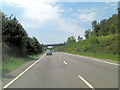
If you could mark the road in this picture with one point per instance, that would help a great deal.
(62, 70)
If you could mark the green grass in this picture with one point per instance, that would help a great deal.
(102, 56)
(10, 63)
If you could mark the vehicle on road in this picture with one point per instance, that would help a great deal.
(48, 52)
(53, 50)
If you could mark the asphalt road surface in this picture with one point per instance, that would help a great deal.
(62, 70)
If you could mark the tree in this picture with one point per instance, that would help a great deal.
(13, 34)
(95, 27)
(33, 46)
(71, 40)
(102, 25)
(119, 17)
(87, 33)
(37, 45)
(80, 39)
(109, 26)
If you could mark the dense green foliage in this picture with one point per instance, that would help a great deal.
(104, 45)
(16, 40)
(71, 40)
(80, 39)
(104, 27)
(103, 39)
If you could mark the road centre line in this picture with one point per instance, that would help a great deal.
(95, 59)
(64, 62)
(22, 72)
(59, 57)
(86, 82)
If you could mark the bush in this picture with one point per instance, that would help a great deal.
(92, 40)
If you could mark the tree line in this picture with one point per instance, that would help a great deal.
(16, 38)
(102, 38)
(103, 28)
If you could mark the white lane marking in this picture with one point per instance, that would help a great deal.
(88, 84)
(107, 62)
(22, 73)
(59, 57)
(101, 61)
(64, 62)
(95, 59)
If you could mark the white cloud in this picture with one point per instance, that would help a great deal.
(62, 10)
(41, 13)
(85, 17)
(87, 10)
(70, 26)
(107, 2)
(114, 4)
(69, 10)
(38, 12)
(106, 7)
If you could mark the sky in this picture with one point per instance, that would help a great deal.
(53, 21)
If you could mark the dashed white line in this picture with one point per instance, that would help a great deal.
(64, 62)
(59, 57)
(22, 73)
(86, 82)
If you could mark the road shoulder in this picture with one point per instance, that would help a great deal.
(100, 59)
(10, 76)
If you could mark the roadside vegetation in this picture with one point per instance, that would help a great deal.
(96, 55)
(101, 41)
(17, 46)
(11, 63)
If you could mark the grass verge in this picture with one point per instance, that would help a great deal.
(102, 56)
(10, 63)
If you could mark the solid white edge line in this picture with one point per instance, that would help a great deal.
(64, 62)
(101, 60)
(88, 84)
(95, 59)
(23, 72)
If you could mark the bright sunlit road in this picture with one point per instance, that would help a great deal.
(62, 70)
